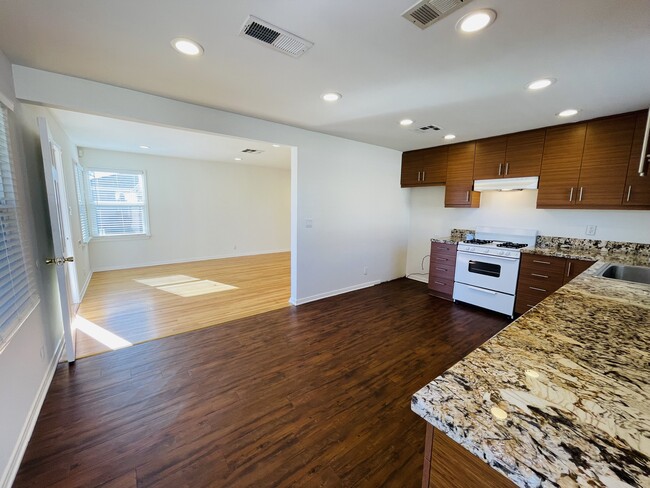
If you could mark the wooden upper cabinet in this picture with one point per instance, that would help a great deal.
(637, 188)
(605, 160)
(560, 172)
(460, 168)
(524, 154)
(490, 158)
(424, 167)
(512, 156)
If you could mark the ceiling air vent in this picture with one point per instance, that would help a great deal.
(274, 37)
(426, 12)
(427, 128)
(252, 151)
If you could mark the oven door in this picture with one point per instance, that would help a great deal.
(496, 273)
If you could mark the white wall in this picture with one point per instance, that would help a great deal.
(349, 189)
(68, 155)
(430, 219)
(28, 361)
(198, 210)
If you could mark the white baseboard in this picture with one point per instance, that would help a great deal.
(19, 450)
(84, 288)
(423, 279)
(184, 260)
(320, 296)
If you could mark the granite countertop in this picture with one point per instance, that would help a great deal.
(606, 256)
(447, 240)
(571, 377)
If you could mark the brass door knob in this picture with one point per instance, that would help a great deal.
(59, 261)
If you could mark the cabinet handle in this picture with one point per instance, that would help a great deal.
(419, 175)
(629, 192)
(530, 306)
(568, 269)
(571, 195)
(424, 175)
(580, 196)
(541, 262)
(536, 289)
(538, 275)
(441, 269)
(442, 259)
(467, 196)
(507, 165)
(499, 169)
(440, 283)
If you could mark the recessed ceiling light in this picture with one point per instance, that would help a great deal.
(237, 159)
(331, 97)
(187, 46)
(405, 122)
(570, 112)
(144, 147)
(450, 137)
(275, 145)
(476, 20)
(539, 84)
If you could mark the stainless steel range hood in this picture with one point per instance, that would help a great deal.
(507, 184)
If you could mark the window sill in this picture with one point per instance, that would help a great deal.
(134, 237)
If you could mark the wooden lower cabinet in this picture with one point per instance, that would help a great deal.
(539, 276)
(449, 465)
(442, 267)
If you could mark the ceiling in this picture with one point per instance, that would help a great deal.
(386, 68)
(93, 131)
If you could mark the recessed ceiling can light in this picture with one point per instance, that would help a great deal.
(275, 145)
(144, 147)
(405, 122)
(331, 97)
(237, 159)
(570, 112)
(187, 46)
(450, 137)
(476, 20)
(540, 84)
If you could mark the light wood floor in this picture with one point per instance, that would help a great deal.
(137, 312)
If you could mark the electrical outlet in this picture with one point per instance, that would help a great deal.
(591, 230)
(365, 270)
(43, 351)
(309, 223)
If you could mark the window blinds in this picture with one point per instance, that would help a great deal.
(17, 285)
(117, 203)
(81, 200)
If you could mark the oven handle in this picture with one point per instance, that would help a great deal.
(489, 292)
(474, 255)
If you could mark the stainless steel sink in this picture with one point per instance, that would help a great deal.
(638, 274)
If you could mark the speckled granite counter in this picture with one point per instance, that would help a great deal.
(634, 259)
(571, 376)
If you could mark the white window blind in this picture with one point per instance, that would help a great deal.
(117, 203)
(81, 200)
(17, 285)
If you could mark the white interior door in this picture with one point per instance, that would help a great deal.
(49, 149)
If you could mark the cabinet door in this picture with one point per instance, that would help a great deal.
(460, 166)
(574, 267)
(560, 172)
(490, 158)
(434, 166)
(605, 160)
(637, 188)
(411, 169)
(524, 154)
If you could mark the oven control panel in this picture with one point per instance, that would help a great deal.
(489, 251)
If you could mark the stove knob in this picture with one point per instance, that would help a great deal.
(472, 249)
(501, 253)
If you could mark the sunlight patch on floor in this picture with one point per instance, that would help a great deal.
(100, 334)
(196, 288)
(166, 280)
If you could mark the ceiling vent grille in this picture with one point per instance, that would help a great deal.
(252, 151)
(274, 37)
(427, 128)
(426, 12)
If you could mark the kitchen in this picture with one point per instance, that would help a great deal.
(387, 230)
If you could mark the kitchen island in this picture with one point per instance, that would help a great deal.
(561, 397)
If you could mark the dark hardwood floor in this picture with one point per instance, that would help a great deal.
(317, 395)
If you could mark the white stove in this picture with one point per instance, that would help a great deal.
(487, 267)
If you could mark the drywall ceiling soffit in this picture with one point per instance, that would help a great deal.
(385, 67)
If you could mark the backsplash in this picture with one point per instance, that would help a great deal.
(550, 242)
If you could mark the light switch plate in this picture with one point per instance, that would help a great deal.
(591, 230)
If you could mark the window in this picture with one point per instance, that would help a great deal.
(117, 203)
(17, 285)
(81, 200)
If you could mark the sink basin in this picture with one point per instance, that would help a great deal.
(638, 274)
